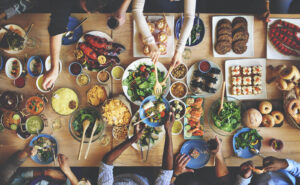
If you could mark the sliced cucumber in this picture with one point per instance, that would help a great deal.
(16, 117)
(13, 127)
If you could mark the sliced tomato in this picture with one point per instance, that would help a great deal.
(162, 114)
(143, 68)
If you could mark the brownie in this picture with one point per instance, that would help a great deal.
(240, 26)
(239, 46)
(224, 37)
(223, 21)
(240, 35)
(223, 47)
(239, 20)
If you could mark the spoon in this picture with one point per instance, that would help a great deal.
(86, 124)
(69, 34)
(222, 98)
(257, 152)
(91, 139)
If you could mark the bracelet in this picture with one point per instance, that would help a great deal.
(174, 175)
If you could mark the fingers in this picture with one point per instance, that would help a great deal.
(177, 157)
(181, 158)
(267, 161)
(186, 160)
(190, 170)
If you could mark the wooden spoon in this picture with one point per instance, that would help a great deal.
(222, 97)
(86, 124)
(163, 83)
(93, 131)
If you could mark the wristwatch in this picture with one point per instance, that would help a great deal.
(174, 175)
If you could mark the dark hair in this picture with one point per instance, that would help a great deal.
(95, 5)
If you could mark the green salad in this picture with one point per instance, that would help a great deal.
(197, 28)
(45, 148)
(229, 118)
(141, 81)
(247, 139)
(151, 135)
(86, 114)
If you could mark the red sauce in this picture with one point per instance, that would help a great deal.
(204, 66)
(75, 69)
(20, 82)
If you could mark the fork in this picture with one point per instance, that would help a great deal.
(163, 83)
(157, 86)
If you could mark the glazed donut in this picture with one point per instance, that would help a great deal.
(268, 121)
(297, 91)
(294, 109)
(265, 107)
(282, 84)
(290, 73)
(278, 116)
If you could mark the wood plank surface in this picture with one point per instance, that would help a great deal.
(9, 142)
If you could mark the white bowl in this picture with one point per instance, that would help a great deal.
(113, 70)
(41, 77)
(48, 64)
(8, 67)
(109, 76)
(184, 107)
(186, 88)
(187, 69)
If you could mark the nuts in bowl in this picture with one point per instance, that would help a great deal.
(179, 72)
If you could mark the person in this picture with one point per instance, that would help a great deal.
(278, 171)
(60, 12)
(222, 173)
(106, 167)
(11, 176)
(10, 8)
(148, 39)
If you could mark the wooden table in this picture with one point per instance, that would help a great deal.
(9, 142)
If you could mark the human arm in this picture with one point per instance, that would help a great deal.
(167, 162)
(142, 26)
(180, 166)
(120, 14)
(111, 156)
(189, 15)
(65, 167)
(275, 164)
(16, 8)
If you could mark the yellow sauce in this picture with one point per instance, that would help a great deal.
(117, 72)
(177, 126)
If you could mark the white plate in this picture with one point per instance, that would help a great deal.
(190, 76)
(15, 27)
(131, 131)
(138, 46)
(272, 53)
(250, 45)
(134, 65)
(242, 63)
(48, 64)
(8, 67)
(96, 33)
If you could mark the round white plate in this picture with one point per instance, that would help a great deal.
(134, 65)
(15, 27)
(190, 76)
(136, 146)
(8, 67)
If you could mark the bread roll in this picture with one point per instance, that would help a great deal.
(252, 118)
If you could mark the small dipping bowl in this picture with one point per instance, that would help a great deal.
(176, 83)
(117, 72)
(204, 66)
(39, 84)
(30, 60)
(48, 64)
(186, 71)
(75, 68)
(177, 127)
(100, 76)
(83, 79)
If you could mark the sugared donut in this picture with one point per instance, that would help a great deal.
(265, 107)
(294, 109)
(278, 116)
(268, 121)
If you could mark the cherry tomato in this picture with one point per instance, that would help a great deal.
(162, 114)
(143, 68)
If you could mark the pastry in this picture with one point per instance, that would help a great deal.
(268, 121)
(223, 47)
(265, 107)
(240, 46)
(278, 116)
(252, 118)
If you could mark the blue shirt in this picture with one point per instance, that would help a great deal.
(281, 177)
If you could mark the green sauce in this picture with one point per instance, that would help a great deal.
(33, 124)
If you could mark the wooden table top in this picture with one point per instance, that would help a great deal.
(9, 142)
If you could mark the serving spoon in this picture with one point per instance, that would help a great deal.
(222, 98)
(93, 131)
(157, 86)
(86, 124)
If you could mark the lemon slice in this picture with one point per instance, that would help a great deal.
(102, 59)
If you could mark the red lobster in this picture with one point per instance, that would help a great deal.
(88, 51)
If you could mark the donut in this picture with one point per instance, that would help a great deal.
(282, 84)
(279, 68)
(294, 109)
(290, 73)
(278, 116)
(297, 91)
(268, 121)
(265, 107)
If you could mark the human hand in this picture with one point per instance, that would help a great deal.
(30, 151)
(169, 123)
(120, 15)
(180, 164)
(50, 78)
(154, 52)
(177, 59)
(138, 131)
(274, 164)
(217, 151)
(63, 162)
(55, 174)
(266, 16)
(246, 169)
